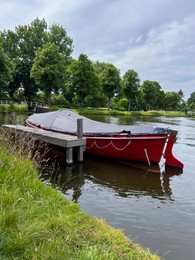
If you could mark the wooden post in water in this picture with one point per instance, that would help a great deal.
(69, 155)
(79, 128)
(80, 149)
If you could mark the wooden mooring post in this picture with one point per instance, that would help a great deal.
(81, 149)
(69, 142)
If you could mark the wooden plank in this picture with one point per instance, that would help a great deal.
(47, 136)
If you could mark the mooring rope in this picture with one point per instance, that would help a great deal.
(107, 145)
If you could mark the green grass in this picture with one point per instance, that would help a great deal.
(19, 108)
(37, 222)
(13, 107)
(104, 111)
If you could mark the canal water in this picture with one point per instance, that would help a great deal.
(154, 207)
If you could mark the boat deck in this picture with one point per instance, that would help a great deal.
(62, 140)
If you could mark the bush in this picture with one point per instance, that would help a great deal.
(4, 108)
(13, 107)
(122, 104)
(59, 100)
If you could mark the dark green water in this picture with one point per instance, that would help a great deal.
(155, 209)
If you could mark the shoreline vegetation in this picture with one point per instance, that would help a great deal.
(38, 222)
(22, 108)
(13, 107)
(100, 111)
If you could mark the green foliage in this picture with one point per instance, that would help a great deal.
(83, 80)
(152, 95)
(191, 101)
(59, 100)
(30, 38)
(13, 107)
(6, 68)
(131, 84)
(104, 111)
(20, 108)
(4, 108)
(40, 97)
(48, 69)
(58, 36)
(99, 67)
(110, 81)
(22, 44)
(172, 101)
(19, 95)
(99, 100)
(122, 104)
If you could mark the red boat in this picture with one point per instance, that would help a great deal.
(124, 142)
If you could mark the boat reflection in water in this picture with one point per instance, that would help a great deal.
(124, 180)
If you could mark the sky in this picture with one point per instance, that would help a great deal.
(156, 38)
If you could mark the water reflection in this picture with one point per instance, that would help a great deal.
(124, 180)
(124, 120)
(7, 118)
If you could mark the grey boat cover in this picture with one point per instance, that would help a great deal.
(65, 121)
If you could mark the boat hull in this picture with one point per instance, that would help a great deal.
(141, 148)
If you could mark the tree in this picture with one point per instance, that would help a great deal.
(97, 100)
(191, 101)
(172, 100)
(99, 67)
(22, 45)
(58, 35)
(6, 68)
(180, 92)
(110, 81)
(83, 80)
(59, 100)
(152, 95)
(122, 104)
(30, 38)
(131, 84)
(48, 69)
(8, 40)
(181, 102)
(160, 98)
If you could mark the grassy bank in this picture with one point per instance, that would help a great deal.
(90, 111)
(37, 222)
(20, 108)
(13, 107)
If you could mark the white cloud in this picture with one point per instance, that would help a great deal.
(154, 37)
(166, 55)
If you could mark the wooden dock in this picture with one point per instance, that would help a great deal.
(67, 141)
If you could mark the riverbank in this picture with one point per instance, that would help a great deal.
(22, 108)
(37, 222)
(13, 107)
(88, 111)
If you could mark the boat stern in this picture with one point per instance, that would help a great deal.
(170, 160)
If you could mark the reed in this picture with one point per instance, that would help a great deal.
(13, 107)
(37, 222)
